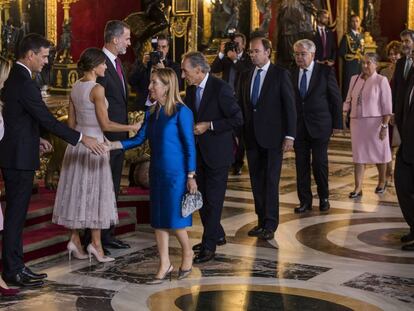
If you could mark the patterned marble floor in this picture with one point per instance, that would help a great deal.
(348, 259)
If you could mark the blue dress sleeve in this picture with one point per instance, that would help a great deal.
(185, 129)
(139, 138)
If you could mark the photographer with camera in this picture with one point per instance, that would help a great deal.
(231, 61)
(139, 78)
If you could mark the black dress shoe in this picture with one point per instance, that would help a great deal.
(256, 231)
(204, 256)
(197, 247)
(221, 241)
(408, 247)
(303, 208)
(23, 281)
(324, 205)
(354, 195)
(31, 275)
(407, 238)
(267, 234)
(106, 251)
(116, 244)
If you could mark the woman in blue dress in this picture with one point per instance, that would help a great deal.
(168, 126)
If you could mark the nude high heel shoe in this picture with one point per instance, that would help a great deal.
(160, 280)
(92, 251)
(76, 253)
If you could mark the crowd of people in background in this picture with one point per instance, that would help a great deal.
(257, 107)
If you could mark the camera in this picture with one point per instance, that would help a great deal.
(155, 57)
(231, 45)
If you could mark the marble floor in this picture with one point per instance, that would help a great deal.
(347, 259)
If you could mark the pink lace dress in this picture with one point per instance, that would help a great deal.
(85, 196)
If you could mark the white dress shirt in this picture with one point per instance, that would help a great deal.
(308, 74)
(265, 68)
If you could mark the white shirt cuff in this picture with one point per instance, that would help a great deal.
(290, 137)
(211, 126)
(80, 137)
(221, 55)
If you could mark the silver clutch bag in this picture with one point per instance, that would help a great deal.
(191, 203)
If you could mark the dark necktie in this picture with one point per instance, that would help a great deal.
(198, 97)
(256, 88)
(323, 42)
(303, 84)
(119, 69)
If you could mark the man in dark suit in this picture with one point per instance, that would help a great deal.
(216, 115)
(117, 37)
(139, 78)
(404, 120)
(319, 114)
(351, 49)
(231, 66)
(403, 69)
(324, 40)
(268, 102)
(24, 113)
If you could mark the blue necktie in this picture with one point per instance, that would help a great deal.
(302, 86)
(256, 87)
(198, 97)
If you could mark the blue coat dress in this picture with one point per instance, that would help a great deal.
(173, 156)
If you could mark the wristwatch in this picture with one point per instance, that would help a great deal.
(384, 126)
(192, 176)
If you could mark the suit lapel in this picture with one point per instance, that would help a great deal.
(314, 78)
(207, 93)
(266, 83)
(112, 71)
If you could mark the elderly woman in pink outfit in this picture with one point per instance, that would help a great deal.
(370, 104)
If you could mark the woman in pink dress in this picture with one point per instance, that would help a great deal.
(85, 196)
(369, 99)
(4, 73)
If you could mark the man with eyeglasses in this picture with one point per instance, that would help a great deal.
(319, 114)
(267, 99)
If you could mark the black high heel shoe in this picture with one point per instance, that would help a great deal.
(354, 195)
(379, 189)
(182, 274)
(156, 280)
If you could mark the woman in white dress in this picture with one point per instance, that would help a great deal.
(85, 196)
(4, 73)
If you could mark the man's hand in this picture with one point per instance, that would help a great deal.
(232, 55)
(287, 145)
(330, 63)
(92, 144)
(45, 146)
(201, 127)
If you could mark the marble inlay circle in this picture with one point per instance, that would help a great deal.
(316, 237)
(234, 297)
(349, 237)
(384, 237)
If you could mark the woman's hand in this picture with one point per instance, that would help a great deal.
(383, 133)
(112, 145)
(191, 185)
(136, 126)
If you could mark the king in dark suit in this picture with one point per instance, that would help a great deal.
(267, 99)
(117, 39)
(216, 115)
(24, 114)
(319, 114)
(403, 86)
